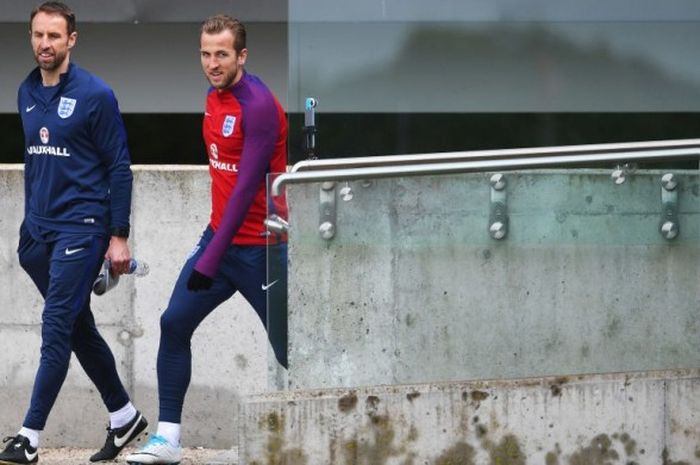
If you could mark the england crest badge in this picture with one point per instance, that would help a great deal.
(44, 135)
(66, 107)
(229, 123)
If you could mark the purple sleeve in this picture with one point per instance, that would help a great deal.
(260, 131)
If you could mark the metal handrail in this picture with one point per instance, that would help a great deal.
(441, 157)
(478, 165)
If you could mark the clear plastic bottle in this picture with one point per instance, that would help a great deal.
(106, 280)
(138, 267)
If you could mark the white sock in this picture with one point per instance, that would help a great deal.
(122, 416)
(32, 435)
(170, 431)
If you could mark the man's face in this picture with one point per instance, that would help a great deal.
(221, 64)
(50, 40)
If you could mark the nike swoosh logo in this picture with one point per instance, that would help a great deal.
(29, 456)
(72, 251)
(28, 109)
(207, 114)
(268, 286)
(120, 441)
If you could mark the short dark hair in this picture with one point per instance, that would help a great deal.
(55, 8)
(219, 23)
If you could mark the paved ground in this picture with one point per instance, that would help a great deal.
(191, 456)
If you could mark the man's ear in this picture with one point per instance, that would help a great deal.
(242, 56)
(72, 39)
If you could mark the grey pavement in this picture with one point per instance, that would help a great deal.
(191, 456)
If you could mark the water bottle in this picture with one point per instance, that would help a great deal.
(138, 267)
(106, 280)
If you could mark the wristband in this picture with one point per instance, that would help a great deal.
(120, 231)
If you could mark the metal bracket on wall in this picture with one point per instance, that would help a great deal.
(669, 225)
(620, 173)
(498, 218)
(327, 210)
(276, 224)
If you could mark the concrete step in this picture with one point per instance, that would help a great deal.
(626, 418)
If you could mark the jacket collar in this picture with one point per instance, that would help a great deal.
(35, 80)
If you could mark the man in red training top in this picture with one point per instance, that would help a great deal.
(245, 133)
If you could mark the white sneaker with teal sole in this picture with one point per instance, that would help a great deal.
(156, 450)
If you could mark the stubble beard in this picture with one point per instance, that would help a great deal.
(227, 80)
(57, 61)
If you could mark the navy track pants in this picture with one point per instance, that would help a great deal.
(63, 269)
(243, 269)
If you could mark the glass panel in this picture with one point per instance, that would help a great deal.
(408, 285)
(277, 226)
(413, 288)
(445, 56)
(417, 77)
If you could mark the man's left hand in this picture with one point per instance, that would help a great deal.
(118, 253)
(199, 281)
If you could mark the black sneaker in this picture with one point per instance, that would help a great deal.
(18, 451)
(120, 437)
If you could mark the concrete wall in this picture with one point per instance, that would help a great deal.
(412, 288)
(170, 209)
(625, 419)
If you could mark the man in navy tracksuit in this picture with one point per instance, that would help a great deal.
(77, 204)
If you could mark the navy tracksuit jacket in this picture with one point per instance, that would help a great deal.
(77, 189)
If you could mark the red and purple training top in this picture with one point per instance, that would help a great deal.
(245, 132)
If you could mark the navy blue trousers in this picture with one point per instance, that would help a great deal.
(63, 268)
(243, 269)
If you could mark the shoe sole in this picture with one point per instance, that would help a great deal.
(141, 463)
(131, 462)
